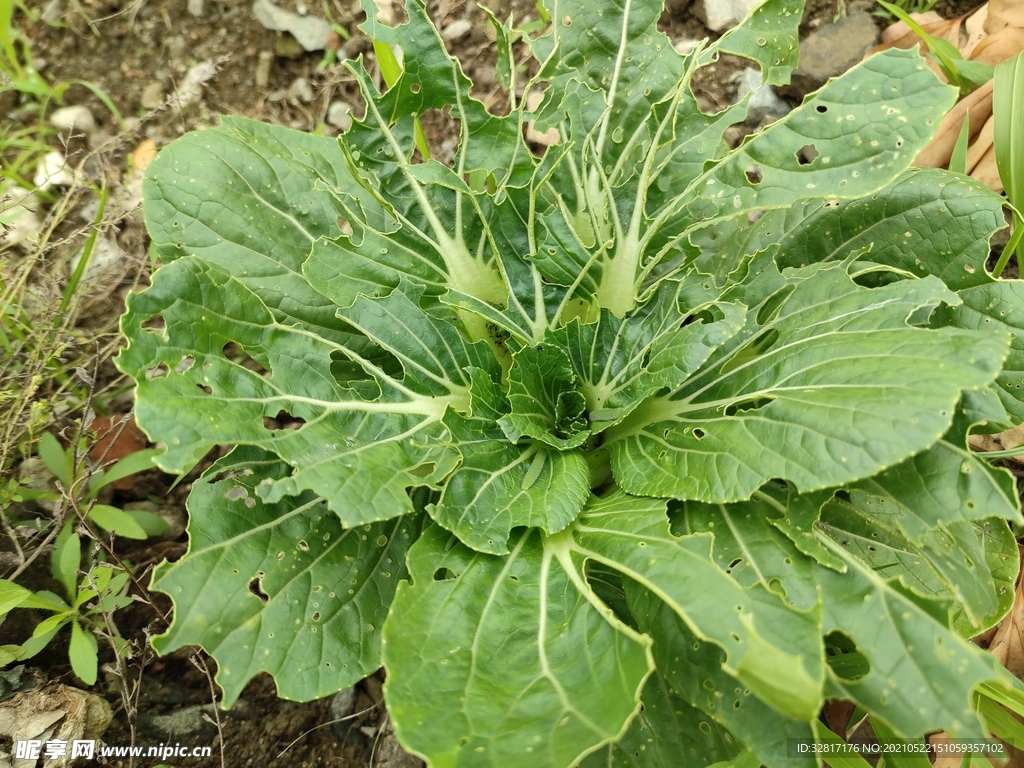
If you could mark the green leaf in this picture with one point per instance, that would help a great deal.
(620, 363)
(272, 188)
(695, 669)
(66, 559)
(885, 620)
(83, 654)
(769, 36)
(668, 732)
(139, 461)
(958, 160)
(631, 535)
(16, 596)
(117, 521)
(545, 399)
(501, 485)
(53, 456)
(297, 595)
(1007, 109)
(360, 449)
(777, 384)
(483, 655)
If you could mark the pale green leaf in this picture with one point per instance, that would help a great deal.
(776, 402)
(360, 454)
(116, 521)
(631, 535)
(280, 588)
(66, 559)
(506, 661)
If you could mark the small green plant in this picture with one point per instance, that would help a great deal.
(634, 451)
(964, 74)
(99, 593)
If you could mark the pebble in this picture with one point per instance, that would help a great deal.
(53, 171)
(833, 49)
(152, 95)
(197, 7)
(339, 114)
(764, 102)
(721, 15)
(77, 119)
(457, 29)
(301, 89)
(312, 33)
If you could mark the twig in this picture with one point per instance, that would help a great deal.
(200, 664)
(303, 735)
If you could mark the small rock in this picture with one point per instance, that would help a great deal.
(74, 119)
(457, 29)
(53, 171)
(180, 724)
(339, 114)
(263, 64)
(343, 704)
(720, 15)
(301, 90)
(684, 45)
(18, 219)
(197, 7)
(312, 33)
(833, 49)
(390, 753)
(764, 102)
(52, 12)
(152, 95)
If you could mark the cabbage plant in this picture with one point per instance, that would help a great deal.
(630, 451)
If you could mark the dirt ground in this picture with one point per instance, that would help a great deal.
(139, 52)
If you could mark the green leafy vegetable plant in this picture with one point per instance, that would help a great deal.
(629, 452)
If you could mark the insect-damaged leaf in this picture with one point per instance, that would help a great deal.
(294, 593)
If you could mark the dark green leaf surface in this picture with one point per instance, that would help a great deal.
(280, 588)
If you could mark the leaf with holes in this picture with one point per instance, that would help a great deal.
(678, 431)
(296, 594)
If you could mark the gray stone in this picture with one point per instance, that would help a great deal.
(339, 114)
(764, 102)
(197, 7)
(720, 15)
(831, 50)
(343, 704)
(301, 90)
(186, 723)
(312, 34)
(77, 119)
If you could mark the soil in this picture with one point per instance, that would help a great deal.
(138, 52)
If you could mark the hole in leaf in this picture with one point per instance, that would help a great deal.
(283, 420)
(414, 87)
(186, 363)
(752, 404)
(207, 389)
(699, 433)
(157, 371)
(444, 574)
(233, 352)
(752, 350)
(155, 323)
(344, 226)
(821, 108)
(807, 154)
(770, 308)
(423, 470)
(733, 564)
(256, 587)
(228, 474)
(236, 492)
(753, 174)
(843, 656)
(316, 616)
